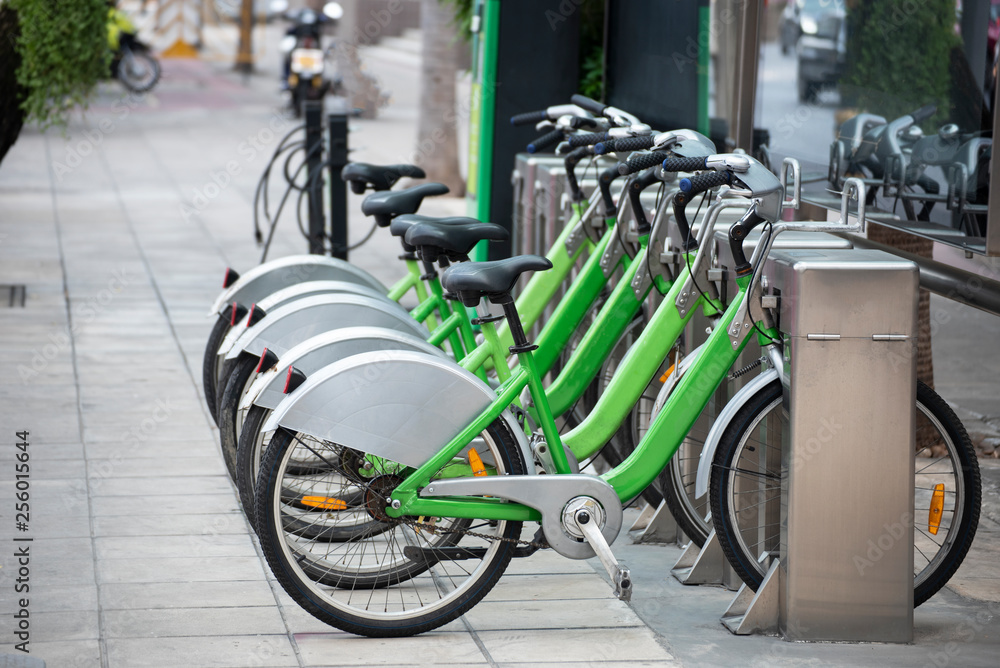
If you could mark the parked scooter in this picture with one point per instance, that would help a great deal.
(305, 72)
(132, 62)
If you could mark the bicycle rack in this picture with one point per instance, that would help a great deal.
(845, 506)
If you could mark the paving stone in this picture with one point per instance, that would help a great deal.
(201, 652)
(151, 547)
(179, 569)
(202, 594)
(63, 626)
(189, 622)
(435, 648)
(159, 486)
(207, 524)
(560, 614)
(167, 466)
(67, 598)
(576, 646)
(64, 654)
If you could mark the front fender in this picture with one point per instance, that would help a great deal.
(272, 276)
(310, 288)
(317, 352)
(400, 405)
(715, 433)
(299, 320)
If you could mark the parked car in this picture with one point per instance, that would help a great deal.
(801, 17)
(822, 52)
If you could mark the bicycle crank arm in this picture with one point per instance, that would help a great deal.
(586, 523)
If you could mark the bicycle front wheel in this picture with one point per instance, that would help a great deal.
(413, 575)
(746, 488)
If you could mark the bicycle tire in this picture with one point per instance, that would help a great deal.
(351, 608)
(231, 417)
(211, 364)
(962, 506)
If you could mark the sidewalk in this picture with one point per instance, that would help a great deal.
(120, 232)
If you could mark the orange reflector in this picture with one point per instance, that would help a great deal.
(937, 507)
(476, 462)
(324, 502)
(666, 374)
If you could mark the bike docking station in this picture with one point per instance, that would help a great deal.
(845, 565)
(333, 158)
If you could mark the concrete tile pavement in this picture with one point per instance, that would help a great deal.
(141, 556)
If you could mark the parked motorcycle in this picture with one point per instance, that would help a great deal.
(305, 72)
(132, 63)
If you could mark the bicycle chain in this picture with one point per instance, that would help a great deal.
(474, 534)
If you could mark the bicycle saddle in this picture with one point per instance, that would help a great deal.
(473, 280)
(400, 224)
(362, 175)
(454, 241)
(386, 205)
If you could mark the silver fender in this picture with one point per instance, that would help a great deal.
(313, 354)
(401, 405)
(299, 320)
(715, 433)
(300, 291)
(272, 276)
(309, 288)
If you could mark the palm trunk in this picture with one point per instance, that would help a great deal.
(437, 139)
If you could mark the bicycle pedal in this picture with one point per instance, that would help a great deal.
(586, 518)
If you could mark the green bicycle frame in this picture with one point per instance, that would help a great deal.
(659, 444)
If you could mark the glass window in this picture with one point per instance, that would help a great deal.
(899, 92)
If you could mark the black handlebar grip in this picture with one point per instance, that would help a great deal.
(584, 102)
(545, 141)
(637, 163)
(587, 139)
(702, 182)
(684, 164)
(923, 113)
(625, 144)
(529, 117)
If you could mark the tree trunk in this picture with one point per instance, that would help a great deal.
(244, 54)
(11, 94)
(437, 138)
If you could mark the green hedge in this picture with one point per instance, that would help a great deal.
(64, 53)
(898, 55)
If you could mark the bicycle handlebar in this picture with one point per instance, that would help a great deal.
(690, 188)
(587, 139)
(545, 141)
(692, 164)
(634, 195)
(584, 102)
(923, 113)
(625, 144)
(637, 163)
(529, 117)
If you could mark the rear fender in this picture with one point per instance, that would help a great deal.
(299, 320)
(272, 276)
(401, 405)
(720, 424)
(313, 354)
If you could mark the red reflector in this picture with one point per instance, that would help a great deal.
(232, 316)
(261, 363)
(250, 314)
(288, 380)
(230, 277)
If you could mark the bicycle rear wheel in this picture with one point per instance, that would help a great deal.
(397, 581)
(746, 488)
